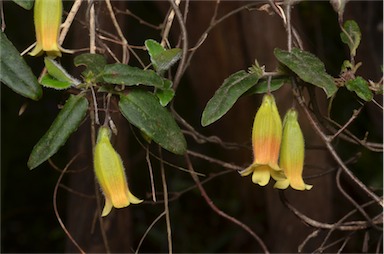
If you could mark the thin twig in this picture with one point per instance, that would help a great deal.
(92, 27)
(57, 211)
(353, 202)
(125, 57)
(288, 25)
(314, 234)
(168, 25)
(350, 120)
(150, 174)
(147, 231)
(68, 21)
(332, 151)
(166, 208)
(351, 226)
(3, 26)
(184, 36)
(216, 161)
(220, 212)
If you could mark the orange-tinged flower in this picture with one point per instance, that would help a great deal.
(266, 139)
(47, 17)
(292, 154)
(110, 174)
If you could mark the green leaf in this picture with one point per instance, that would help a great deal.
(308, 67)
(94, 64)
(26, 4)
(351, 36)
(162, 59)
(262, 86)
(122, 74)
(360, 87)
(154, 48)
(48, 81)
(142, 109)
(166, 59)
(15, 73)
(165, 96)
(57, 71)
(226, 96)
(66, 122)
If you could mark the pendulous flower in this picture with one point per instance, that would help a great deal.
(266, 139)
(292, 154)
(110, 174)
(47, 17)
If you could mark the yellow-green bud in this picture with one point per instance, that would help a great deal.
(110, 174)
(292, 154)
(266, 139)
(47, 17)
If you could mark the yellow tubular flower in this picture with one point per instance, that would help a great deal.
(266, 139)
(110, 174)
(47, 16)
(292, 154)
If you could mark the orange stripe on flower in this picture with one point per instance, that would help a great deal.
(266, 139)
(47, 19)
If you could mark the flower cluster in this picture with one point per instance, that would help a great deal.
(110, 174)
(271, 139)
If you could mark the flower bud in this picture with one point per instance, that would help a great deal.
(292, 154)
(110, 174)
(266, 139)
(47, 16)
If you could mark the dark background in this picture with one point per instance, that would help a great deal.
(28, 222)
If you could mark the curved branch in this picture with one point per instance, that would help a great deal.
(220, 212)
(348, 226)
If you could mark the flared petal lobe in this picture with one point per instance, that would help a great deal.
(266, 139)
(110, 174)
(292, 154)
(47, 18)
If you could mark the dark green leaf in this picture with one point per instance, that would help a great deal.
(224, 98)
(57, 71)
(94, 64)
(49, 81)
(351, 36)
(162, 59)
(308, 67)
(15, 73)
(166, 59)
(142, 109)
(360, 87)
(262, 86)
(122, 74)
(66, 122)
(26, 4)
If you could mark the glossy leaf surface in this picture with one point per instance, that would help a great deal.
(308, 67)
(66, 122)
(226, 96)
(360, 87)
(122, 74)
(142, 109)
(15, 73)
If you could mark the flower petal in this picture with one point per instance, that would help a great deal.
(261, 175)
(107, 207)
